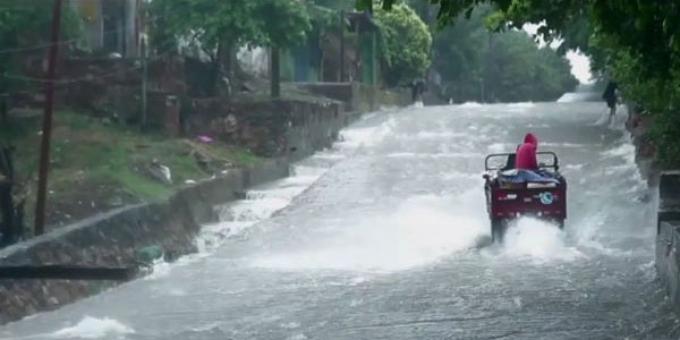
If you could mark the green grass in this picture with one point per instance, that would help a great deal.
(92, 161)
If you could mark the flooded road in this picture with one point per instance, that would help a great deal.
(385, 236)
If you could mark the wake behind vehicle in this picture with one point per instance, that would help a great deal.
(512, 193)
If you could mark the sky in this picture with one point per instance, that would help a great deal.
(580, 67)
(580, 64)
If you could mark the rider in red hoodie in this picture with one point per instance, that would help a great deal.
(526, 153)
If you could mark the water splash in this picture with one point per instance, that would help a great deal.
(366, 136)
(471, 104)
(94, 328)
(538, 240)
(421, 230)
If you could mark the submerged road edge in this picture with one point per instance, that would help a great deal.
(118, 237)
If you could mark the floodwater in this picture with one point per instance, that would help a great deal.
(385, 236)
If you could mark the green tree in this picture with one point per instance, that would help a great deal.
(635, 43)
(407, 44)
(219, 27)
(476, 64)
(284, 23)
(214, 27)
(25, 30)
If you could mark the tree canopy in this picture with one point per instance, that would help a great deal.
(211, 23)
(407, 44)
(476, 64)
(636, 43)
(24, 28)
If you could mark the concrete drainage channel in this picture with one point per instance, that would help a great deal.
(263, 201)
(173, 227)
(121, 238)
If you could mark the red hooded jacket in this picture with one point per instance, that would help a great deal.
(526, 153)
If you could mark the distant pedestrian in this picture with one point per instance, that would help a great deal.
(417, 89)
(610, 97)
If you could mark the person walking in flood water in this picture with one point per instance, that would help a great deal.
(610, 98)
(418, 87)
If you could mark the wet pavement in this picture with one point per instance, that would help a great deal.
(385, 236)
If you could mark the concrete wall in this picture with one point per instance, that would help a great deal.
(92, 15)
(285, 130)
(359, 97)
(115, 239)
(667, 256)
(271, 128)
(667, 224)
(668, 236)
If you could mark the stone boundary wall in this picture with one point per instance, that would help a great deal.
(667, 224)
(667, 258)
(269, 128)
(358, 97)
(116, 238)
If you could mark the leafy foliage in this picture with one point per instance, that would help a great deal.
(206, 21)
(637, 43)
(407, 44)
(219, 27)
(284, 23)
(476, 64)
(25, 29)
(211, 23)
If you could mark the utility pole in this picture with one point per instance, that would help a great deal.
(342, 46)
(47, 121)
(275, 72)
(145, 76)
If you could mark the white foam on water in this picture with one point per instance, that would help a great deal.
(298, 336)
(438, 155)
(538, 126)
(285, 191)
(160, 268)
(421, 230)
(624, 150)
(262, 202)
(94, 328)
(648, 270)
(304, 172)
(586, 235)
(290, 325)
(539, 241)
(574, 167)
(562, 145)
(617, 122)
(603, 120)
(329, 156)
(499, 147)
(436, 135)
(471, 104)
(366, 136)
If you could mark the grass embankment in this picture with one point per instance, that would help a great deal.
(97, 166)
